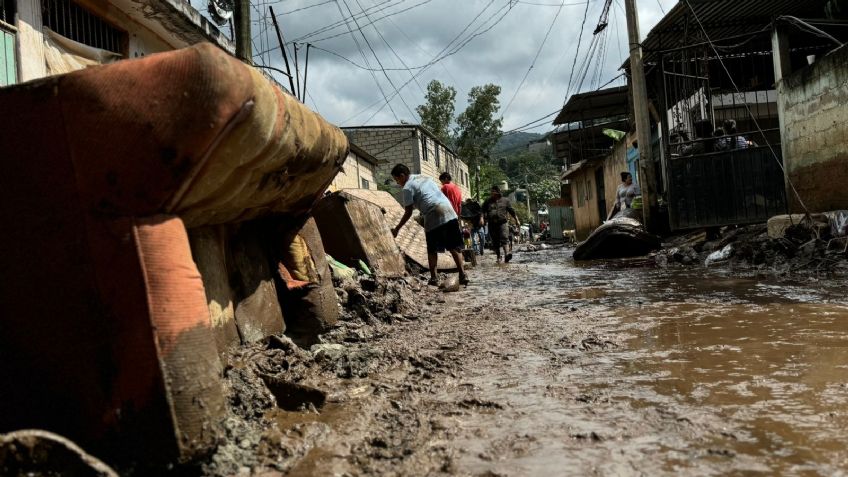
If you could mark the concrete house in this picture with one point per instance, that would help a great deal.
(412, 145)
(358, 171)
(41, 38)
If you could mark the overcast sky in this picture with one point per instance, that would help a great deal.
(418, 30)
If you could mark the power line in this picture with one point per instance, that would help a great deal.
(577, 53)
(533, 63)
(373, 75)
(463, 44)
(434, 58)
(382, 68)
(390, 47)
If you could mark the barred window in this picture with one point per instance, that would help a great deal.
(70, 20)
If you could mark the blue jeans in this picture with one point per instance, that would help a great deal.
(478, 240)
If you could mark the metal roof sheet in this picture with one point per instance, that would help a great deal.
(594, 105)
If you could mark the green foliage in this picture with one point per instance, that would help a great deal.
(437, 113)
(544, 190)
(515, 142)
(478, 128)
(522, 213)
(490, 175)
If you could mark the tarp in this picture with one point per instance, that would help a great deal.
(63, 55)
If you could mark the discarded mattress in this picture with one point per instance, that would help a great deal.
(411, 238)
(617, 238)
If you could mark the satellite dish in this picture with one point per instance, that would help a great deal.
(221, 11)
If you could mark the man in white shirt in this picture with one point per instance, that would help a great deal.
(441, 224)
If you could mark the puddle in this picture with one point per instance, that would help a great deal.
(710, 374)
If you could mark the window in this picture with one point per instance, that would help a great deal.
(72, 21)
(438, 157)
(8, 65)
(365, 183)
(424, 148)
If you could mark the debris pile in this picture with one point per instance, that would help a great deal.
(810, 246)
(277, 375)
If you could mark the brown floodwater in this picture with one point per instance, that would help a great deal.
(691, 371)
(547, 367)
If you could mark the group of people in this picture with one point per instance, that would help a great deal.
(707, 139)
(440, 210)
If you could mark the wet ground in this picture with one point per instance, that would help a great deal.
(544, 367)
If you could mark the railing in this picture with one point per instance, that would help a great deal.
(8, 59)
(739, 186)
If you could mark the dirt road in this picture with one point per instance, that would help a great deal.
(542, 367)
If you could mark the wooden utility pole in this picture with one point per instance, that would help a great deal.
(241, 15)
(639, 90)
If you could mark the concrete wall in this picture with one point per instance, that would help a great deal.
(152, 26)
(413, 147)
(814, 107)
(355, 169)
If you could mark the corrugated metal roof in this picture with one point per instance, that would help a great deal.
(722, 19)
(594, 105)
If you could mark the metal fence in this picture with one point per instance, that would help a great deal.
(741, 186)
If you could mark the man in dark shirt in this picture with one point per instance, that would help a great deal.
(497, 210)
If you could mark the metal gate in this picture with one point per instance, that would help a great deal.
(741, 186)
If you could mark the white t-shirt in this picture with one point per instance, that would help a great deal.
(427, 197)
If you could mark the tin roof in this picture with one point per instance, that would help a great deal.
(721, 19)
(604, 103)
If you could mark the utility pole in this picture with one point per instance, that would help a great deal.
(241, 14)
(643, 119)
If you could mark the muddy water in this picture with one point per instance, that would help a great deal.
(670, 371)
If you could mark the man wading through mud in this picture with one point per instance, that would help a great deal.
(497, 211)
(441, 223)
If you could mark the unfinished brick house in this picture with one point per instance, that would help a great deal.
(413, 145)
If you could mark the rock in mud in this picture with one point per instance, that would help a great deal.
(35, 453)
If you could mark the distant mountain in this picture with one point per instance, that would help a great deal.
(515, 141)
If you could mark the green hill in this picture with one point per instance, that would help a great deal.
(515, 141)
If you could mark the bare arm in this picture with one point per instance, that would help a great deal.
(403, 220)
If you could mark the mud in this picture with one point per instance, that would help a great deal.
(807, 249)
(541, 366)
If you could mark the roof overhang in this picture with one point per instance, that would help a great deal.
(593, 105)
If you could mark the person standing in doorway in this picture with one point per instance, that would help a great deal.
(497, 211)
(452, 192)
(441, 224)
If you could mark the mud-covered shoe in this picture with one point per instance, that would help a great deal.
(433, 281)
(508, 258)
(464, 281)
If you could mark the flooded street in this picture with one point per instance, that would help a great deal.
(543, 367)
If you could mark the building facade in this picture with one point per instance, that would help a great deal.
(412, 145)
(359, 171)
(48, 37)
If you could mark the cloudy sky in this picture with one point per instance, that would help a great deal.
(487, 41)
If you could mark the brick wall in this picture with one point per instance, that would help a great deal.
(813, 107)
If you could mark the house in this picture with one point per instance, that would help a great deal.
(358, 171)
(47, 37)
(711, 62)
(593, 158)
(412, 145)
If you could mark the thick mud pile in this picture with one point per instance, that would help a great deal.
(275, 378)
(804, 250)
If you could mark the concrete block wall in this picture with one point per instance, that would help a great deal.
(389, 145)
(406, 145)
(814, 106)
(354, 170)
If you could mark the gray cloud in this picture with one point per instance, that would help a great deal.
(339, 90)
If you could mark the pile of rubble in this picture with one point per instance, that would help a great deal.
(277, 374)
(816, 244)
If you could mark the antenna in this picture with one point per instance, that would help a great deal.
(604, 21)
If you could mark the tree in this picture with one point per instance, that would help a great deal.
(437, 113)
(478, 129)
